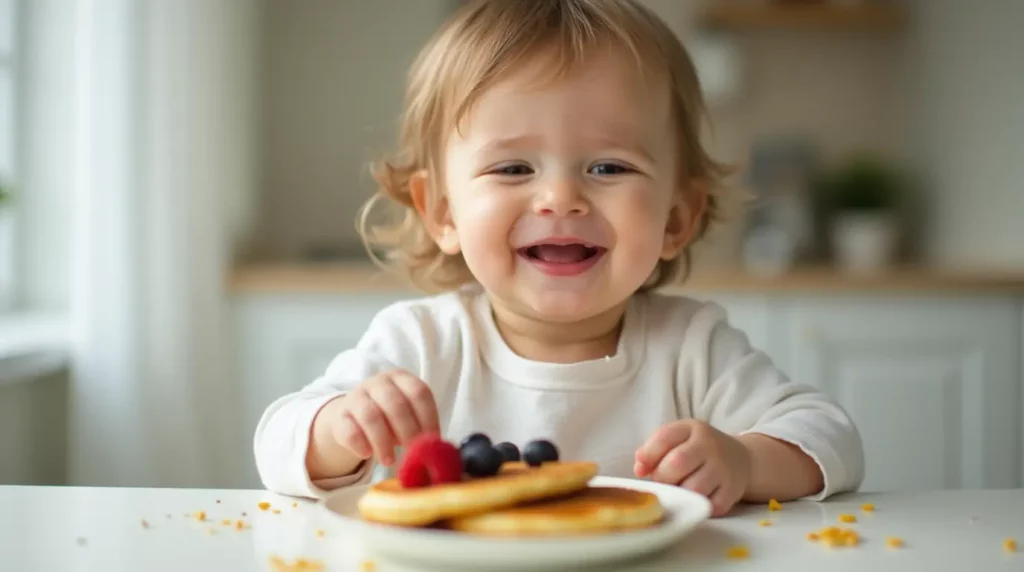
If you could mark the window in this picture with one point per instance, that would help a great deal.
(9, 131)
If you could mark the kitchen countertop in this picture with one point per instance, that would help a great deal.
(360, 277)
(113, 529)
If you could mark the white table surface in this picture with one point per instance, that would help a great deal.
(77, 529)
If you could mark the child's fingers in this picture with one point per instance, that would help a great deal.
(396, 408)
(421, 399)
(659, 444)
(703, 481)
(348, 433)
(678, 464)
(375, 426)
(723, 499)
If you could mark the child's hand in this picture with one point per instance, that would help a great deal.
(382, 413)
(698, 457)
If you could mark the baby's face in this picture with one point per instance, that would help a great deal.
(560, 192)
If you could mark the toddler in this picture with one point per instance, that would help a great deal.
(550, 177)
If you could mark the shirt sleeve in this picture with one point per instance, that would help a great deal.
(397, 338)
(738, 389)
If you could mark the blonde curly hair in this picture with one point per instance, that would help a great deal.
(481, 42)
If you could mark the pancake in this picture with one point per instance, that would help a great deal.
(388, 502)
(593, 510)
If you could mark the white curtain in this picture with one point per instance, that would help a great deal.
(164, 101)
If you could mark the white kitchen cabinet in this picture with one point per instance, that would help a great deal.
(933, 384)
(287, 341)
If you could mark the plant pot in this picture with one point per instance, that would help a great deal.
(864, 242)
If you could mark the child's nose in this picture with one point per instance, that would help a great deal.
(562, 197)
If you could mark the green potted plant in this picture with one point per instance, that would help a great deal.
(863, 197)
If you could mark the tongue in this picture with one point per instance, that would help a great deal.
(560, 253)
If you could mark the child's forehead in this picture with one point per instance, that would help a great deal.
(607, 84)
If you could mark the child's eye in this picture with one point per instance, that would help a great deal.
(604, 169)
(515, 170)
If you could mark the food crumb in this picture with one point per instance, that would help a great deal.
(218, 501)
(737, 552)
(145, 523)
(765, 522)
(847, 518)
(867, 507)
(320, 533)
(894, 542)
(226, 522)
(833, 536)
(295, 505)
(200, 515)
(239, 524)
(1010, 545)
(245, 514)
(368, 566)
(276, 511)
(263, 505)
(774, 505)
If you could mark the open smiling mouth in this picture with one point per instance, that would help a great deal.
(562, 259)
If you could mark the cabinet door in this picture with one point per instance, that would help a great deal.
(285, 342)
(933, 385)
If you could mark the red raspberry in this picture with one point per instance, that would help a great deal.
(430, 460)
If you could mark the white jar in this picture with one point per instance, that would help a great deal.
(864, 242)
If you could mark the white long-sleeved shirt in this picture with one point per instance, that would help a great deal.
(677, 358)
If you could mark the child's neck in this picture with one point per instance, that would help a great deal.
(538, 340)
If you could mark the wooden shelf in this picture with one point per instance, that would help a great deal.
(817, 16)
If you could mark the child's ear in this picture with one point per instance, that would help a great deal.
(685, 212)
(435, 214)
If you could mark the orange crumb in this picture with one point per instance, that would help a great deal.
(226, 522)
(847, 518)
(894, 542)
(276, 511)
(1010, 545)
(867, 507)
(200, 515)
(295, 505)
(263, 505)
(320, 533)
(368, 566)
(145, 524)
(737, 552)
(765, 522)
(813, 536)
(239, 524)
(774, 505)
(833, 536)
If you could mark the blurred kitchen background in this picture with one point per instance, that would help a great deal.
(181, 177)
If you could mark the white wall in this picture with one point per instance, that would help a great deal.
(969, 130)
(333, 73)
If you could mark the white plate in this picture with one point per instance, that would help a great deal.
(685, 510)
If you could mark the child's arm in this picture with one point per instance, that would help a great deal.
(801, 443)
(296, 441)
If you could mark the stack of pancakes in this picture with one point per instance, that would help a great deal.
(554, 499)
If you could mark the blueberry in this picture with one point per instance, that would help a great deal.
(509, 451)
(539, 451)
(480, 459)
(473, 439)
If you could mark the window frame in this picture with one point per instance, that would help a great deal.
(10, 66)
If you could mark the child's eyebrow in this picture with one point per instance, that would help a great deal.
(522, 141)
(504, 143)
